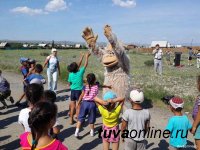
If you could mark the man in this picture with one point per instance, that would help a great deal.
(190, 53)
(5, 91)
(157, 52)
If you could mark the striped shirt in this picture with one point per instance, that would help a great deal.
(90, 93)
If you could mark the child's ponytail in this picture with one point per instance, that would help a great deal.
(90, 80)
(39, 119)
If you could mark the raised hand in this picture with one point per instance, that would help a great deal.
(107, 31)
(89, 37)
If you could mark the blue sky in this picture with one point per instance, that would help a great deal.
(136, 21)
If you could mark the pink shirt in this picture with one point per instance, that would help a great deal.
(26, 144)
(90, 93)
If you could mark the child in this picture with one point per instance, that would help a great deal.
(88, 106)
(5, 91)
(137, 119)
(50, 96)
(41, 120)
(110, 115)
(25, 71)
(196, 117)
(36, 75)
(34, 93)
(177, 123)
(76, 83)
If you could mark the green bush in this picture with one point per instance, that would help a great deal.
(149, 63)
(44, 54)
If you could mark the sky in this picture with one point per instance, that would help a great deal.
(134, 21)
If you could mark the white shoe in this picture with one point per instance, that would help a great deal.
(76, 134)
(91, 132)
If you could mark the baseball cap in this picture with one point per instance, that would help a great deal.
(109, 95)
(137, 96)
(23, 59)
(36, 81)
(176, 102)
(54, 50)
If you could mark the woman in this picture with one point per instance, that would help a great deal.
(53, 69)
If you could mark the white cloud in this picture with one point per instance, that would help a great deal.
(125, 3)
(28, 11)
(56, 5)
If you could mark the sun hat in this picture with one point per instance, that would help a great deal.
(137, 96)
(54, 50)
(176, 102)
(109, 95)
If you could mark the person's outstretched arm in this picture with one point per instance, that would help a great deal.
(87, 55)
(99, 101)
(196, 121)
(120, 100)
(81, 59)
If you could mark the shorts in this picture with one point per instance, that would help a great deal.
(87, 108)
(131, 144)
(190, 58)
(197, 133)
(75, 94)
(111, 139)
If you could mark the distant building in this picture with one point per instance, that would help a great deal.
(25, 45)
(42, 45)
(178, 46)
(77, 45)
(131, 46)
(4, 45)
(163, 44)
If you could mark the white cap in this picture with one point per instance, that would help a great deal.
(137, 96)
(36, 81)
(54, 50)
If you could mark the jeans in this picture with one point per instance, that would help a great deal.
(158, 66)
(52, 79)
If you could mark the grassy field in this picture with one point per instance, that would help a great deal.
(178, 81)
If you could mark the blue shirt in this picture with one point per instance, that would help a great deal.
(76, 79)
(24, 70)
(178, 127)
(34, 76)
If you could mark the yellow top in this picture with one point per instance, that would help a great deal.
(110, 119)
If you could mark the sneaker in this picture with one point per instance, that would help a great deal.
(91, 132)
(76, 134)
(11, 100)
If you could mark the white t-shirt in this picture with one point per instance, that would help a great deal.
(157, 53)
(23, 119)
(136, 121)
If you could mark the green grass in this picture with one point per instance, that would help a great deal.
(143, 75)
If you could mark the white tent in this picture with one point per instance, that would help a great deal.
(163, 44)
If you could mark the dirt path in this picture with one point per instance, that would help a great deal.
(10, 129)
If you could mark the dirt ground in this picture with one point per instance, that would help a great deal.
(10, 129)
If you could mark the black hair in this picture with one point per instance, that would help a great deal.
(73, 67)
(157, 45)
(179, 109)
(50, 96)
(90, 80)
(39, 119)
(34, 93)
(38, 68)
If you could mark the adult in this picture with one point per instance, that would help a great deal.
(157, 52)
(168, 57)
(190, 53)
(53, 70)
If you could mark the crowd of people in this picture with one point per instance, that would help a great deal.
(39, 118)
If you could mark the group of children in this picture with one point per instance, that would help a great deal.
(40, 125)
